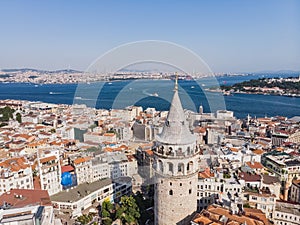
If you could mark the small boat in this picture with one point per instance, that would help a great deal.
(193, 87)
(155, 94)
(227, 93)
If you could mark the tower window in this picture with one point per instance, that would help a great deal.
(180, 184)
(190, 191)
(171, 192)
(170, 167)
(180, 167)
(170, 183)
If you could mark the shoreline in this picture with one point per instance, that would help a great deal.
(228, 93)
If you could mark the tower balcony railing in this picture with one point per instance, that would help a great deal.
(174, 154)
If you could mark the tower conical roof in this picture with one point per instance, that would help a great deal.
(176, 130)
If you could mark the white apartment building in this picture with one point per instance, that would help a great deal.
(214, 188)
(100, 168)
(73, 201)
(50, 174)
(15, 173)
(286, 214)
(120, 165)
(31, 215)
(83, 170)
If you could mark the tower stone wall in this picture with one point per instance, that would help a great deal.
(175, 198)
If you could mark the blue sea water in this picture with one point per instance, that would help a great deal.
(158, 94)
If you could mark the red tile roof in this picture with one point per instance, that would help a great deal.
(24, 197)
(248, 177)
(255, 165)
(47, 159)
(206, 173)
(67, 168)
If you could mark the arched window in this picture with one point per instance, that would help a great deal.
(190, 166)
(170, 167)
(170, 150)
(180, 167)
(160, 166)
(188, 150)
(171, 192)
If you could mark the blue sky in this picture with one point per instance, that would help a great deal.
(231, 35)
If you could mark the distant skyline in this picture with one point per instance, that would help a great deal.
(230, 36)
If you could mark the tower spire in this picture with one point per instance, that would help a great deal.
(176, 130)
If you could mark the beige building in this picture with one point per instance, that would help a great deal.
(266, 202)
(295, 191)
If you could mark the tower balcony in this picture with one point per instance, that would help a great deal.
(176, 152)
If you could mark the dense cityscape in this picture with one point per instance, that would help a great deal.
(150, 112)
(62, 164)
(72, 76)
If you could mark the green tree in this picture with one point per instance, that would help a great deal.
(128, 210)
(107, 212)
(52, 131)
(19, 117)
(84, 219)
(107, 221)
(7, 113)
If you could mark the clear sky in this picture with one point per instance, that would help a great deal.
(230, 35)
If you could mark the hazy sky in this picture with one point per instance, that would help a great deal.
(230, 35)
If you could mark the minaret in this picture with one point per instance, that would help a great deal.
(176, 168)
(201, 109)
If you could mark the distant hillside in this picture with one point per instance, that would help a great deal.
(23, 70)
(279, 86)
